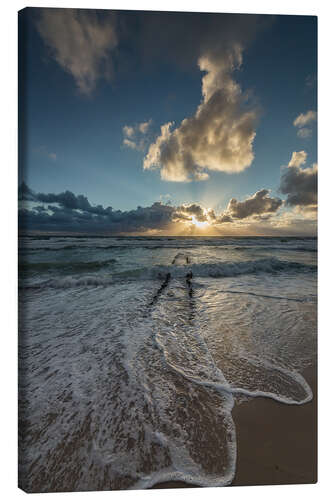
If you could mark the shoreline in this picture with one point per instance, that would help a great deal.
(276, 442)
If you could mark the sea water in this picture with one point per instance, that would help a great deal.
(134, 350)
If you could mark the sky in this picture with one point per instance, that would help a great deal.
(167, 123)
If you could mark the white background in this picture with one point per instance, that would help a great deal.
(8, 245)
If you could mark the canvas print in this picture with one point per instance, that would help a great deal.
(167, 249)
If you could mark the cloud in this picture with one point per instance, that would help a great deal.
(298, 158)
(130, 144)
(305, 118)
(68, 212)
(185, 212)
(81, 43)
(302, 120)
(300, 184)
(194, 209)
(67, 200)
(218, 137)
(128, 131)
(133, 135)
(143, 127)
(304, 133)
(167, 197)
(223, 218)
(257, 204)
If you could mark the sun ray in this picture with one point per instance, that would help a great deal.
(198, 223)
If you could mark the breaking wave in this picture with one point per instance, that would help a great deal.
(210, 270)
(67, 266)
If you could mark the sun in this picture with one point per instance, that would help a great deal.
(199, 224)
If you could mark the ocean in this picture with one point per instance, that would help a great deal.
(133, 352)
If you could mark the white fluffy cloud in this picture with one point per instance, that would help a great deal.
(80, 43)
(218, 137)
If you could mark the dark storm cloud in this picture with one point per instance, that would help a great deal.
(257, 204)
(300, 184)
(68, 212)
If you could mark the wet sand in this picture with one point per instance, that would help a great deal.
(276, 443)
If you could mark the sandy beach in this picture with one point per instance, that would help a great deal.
(276, 443)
